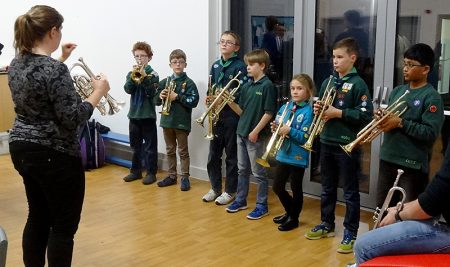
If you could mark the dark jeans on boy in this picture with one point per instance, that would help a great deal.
(336, 164)
(54, 185)
(413, 181)
(225, 138)
(284, 173)
(144, 130)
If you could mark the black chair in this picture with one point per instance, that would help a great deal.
(3, 247)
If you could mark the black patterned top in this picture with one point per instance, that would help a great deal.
(49, 110)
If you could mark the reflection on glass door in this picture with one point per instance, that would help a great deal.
(268, 25)
(335, 21)
(432, 27)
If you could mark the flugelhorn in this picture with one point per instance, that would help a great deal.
(276, 140)
(371, 131)
(318, 121)
(222, 99)
(167, 102)
(379, 213)
(138, 73)
(83, 86)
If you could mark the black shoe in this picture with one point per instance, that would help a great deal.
(288, 225)
(149, 179)
(280, 219)
(167, 181)
(132, 176)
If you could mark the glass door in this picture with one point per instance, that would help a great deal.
(428, 24)
(385, 30)
(366, 22)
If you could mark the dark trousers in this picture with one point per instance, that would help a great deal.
(54, 185)
(413, 181)
(144, 142)
(292, 204)
(336, 164)
(225, 139)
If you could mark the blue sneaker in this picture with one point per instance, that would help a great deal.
(185, 184)
(346, 245)
(235, 207)
(258, 213)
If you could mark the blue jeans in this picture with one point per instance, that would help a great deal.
(335, 165)
(248, 152)
(54, 185)
(407, 237)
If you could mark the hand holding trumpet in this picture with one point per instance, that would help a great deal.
(330, 112)
(392, 120)
(172, 96)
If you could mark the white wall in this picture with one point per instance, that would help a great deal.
(105, 32)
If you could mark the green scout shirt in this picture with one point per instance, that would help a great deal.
(353, 98)
(256, 98)
(180, 108)
(411, 145)
(143, 95)
(221, 73)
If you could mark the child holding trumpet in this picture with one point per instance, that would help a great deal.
(141, 84)
(177, 123)
(292, 159)
(349, 111)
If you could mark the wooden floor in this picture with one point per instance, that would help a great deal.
(129, 224)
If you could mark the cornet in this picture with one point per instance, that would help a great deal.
(379, 213)
(318, 121)
(276, 140)
(167, 102)
(84, 88)
(211, 122)
(371, 131)
(138, 73)
(224, 97)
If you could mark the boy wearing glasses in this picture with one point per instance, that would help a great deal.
(142, 115)
(177, 124)
(222, 71)
(408, 139)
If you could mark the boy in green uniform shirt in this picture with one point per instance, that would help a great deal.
(408, 139)
(257, 105)
(142, 115)
(222, 71)
(177, 124)
(350, 111)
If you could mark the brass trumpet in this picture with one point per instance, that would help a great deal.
(138, 73)
(318, 121)
(371, 131)
(211, 122)
(83, 86)
(224, 97)
(170, 87)
(276, 140)
(379, 213)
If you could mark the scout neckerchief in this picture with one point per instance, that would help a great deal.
(224, 65)
(338, 82)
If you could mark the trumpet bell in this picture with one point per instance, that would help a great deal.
(83, 86)
(263, 162)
